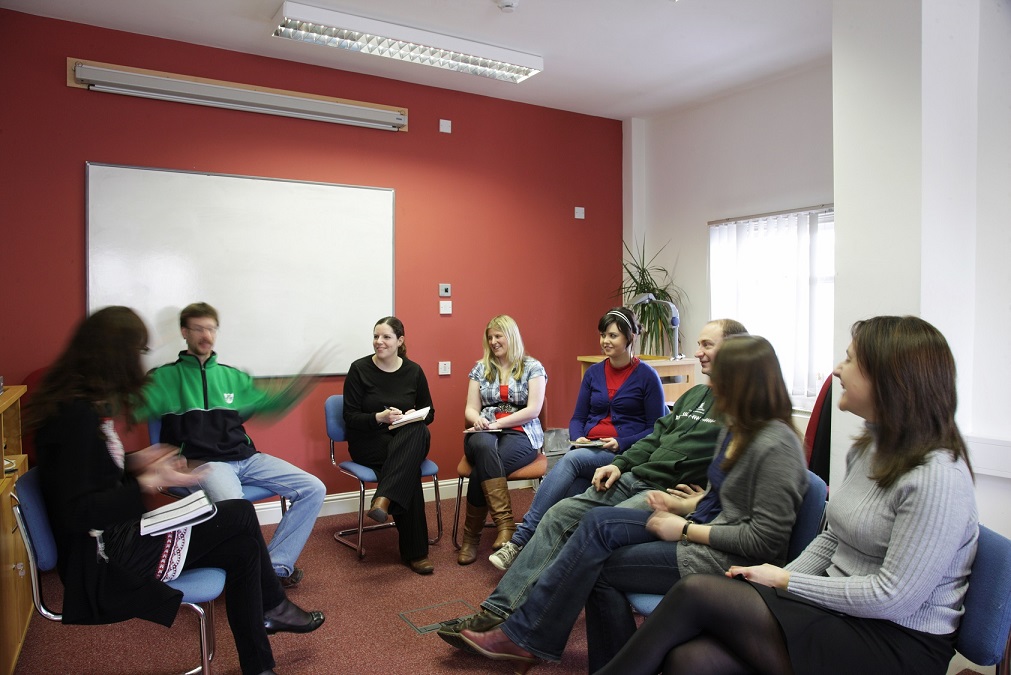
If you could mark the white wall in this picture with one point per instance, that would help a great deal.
(763, 149)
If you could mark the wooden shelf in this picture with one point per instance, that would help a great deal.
(10, 419)
(677, 377)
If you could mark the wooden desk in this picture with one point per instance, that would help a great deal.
(10, 419)
(665, 367)
(15, 586)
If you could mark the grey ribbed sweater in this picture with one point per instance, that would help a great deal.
(901, 554)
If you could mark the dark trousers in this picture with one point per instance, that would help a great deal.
(396, 458)
(232, 540)
(494, 455)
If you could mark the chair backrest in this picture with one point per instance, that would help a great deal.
(983, 637)
(334, 408)
(34, 521)
(154, 430)
(809, 516)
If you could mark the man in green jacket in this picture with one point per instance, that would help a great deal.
(678, 451)
(202, 405)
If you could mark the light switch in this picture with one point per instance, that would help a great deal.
(580, 213)
(444, 367)
(446, 126)
(445, 290)
(445, 307)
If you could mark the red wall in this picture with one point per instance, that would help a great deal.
(488, 208)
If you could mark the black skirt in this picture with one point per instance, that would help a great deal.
(824, 642)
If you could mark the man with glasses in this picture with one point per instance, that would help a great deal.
(202, 405)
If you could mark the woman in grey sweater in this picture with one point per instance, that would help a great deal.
(881, 589)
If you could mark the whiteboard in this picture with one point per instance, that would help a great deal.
(291, 266)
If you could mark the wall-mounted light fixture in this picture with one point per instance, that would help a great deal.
(315, 25)
(168, 87)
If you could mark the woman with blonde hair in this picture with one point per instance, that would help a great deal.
(504, 398)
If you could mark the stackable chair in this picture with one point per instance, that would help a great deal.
(985, 634)
(810, 521)
(334, 409)
(200, 587)
(533, 471)
(251, 493)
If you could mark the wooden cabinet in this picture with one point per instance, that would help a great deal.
(15, 584)
(677, 377)
(10, 418)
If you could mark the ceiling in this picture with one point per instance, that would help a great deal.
(610, 58)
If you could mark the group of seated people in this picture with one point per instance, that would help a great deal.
(696, 504)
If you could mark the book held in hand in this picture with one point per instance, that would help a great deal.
(587, 444)
(190, 510)
(416, 416)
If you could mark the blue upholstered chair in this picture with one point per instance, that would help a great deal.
(199, 586)
(334, 409)
(252, 493)
(810, 520)
(985, 634)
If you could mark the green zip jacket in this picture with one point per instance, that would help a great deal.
(203, 407)
(681, 446)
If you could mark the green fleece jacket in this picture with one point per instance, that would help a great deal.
(681, 446)
(203, 407)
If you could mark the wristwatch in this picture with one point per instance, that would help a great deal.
(684, 532)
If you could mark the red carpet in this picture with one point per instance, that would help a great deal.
(380, 617)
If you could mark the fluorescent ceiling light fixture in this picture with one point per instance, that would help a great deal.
(305, 23)
(165, 87)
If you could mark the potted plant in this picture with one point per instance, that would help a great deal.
(648, 289)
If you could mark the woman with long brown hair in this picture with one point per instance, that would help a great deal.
(93, 491)
(881, 590)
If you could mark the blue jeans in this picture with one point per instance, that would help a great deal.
(305, 492)
(543, 623)
(569, 477)
(646, 568)
(549, 538)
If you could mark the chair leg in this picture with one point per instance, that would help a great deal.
(205, 618)
(456, 518)
(341, 535)
(438, 510)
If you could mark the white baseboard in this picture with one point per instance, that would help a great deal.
(269, 512)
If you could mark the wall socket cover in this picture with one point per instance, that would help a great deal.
(444, 367)
(445, 307)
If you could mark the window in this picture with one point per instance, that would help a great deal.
(776, 274)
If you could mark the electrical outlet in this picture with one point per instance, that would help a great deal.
(444, 367)
(580, 213)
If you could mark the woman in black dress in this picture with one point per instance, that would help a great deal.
(378, 391)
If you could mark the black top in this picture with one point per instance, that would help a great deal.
(369, 390)
(85, 490)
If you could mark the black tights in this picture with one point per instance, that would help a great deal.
(706, 623)
(233, 541)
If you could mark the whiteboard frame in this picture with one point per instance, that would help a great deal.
(135, 257)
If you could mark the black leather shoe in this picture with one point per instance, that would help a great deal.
(292, 579)
(274, 626)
